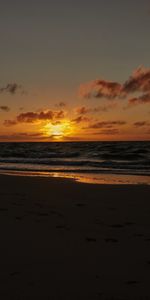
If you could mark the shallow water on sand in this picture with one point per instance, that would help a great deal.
(112, 179)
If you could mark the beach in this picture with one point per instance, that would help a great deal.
(62, 239)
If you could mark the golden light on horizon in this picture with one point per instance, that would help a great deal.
(58, 130)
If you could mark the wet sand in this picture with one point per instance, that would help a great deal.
(60, 239)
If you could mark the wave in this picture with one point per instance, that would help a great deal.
(125, 157)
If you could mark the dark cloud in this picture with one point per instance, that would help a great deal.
(106, 124)
(100, 89)
(4, 108)
(32, 117)
(112, 131)
(9, 123)
(143, 99)
(81, 119)
(138, 82)
(141, 123)
(83, 110)
(106, 107)
(12, 88)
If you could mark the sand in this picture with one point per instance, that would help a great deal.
(60, 239)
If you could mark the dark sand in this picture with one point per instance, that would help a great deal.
(65, 240)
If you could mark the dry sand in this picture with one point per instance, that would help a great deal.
(65, 240)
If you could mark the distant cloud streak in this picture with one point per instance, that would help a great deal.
(141, 124)
(112, 131)
(12, 88)
(81, 119)
(106, 124)
(4, 108)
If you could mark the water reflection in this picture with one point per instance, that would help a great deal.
(87, 178)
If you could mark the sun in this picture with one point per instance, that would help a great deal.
(58, 131)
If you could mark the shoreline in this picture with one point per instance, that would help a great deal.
(88, 178)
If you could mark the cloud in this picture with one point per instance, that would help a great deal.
(106, 124)
(141, 123)
(21, 136)
(12, 88)
(139, 100)
(61, 104)
(138, 82)
(83, 110)
(81, 119)
(4, 108)
(112, 131)
(9, 123)
(105, 107)
(33, 117)
(100, 89)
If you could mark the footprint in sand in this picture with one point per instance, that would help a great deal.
(18, 218)
(42, 214)
(31, 283)
(147, 239)
(132, 282)
(39, 205)
(99, 222)
(80, 204)
(116, 226)
(90, 239)
(100, 296)
(111, 240)
(65, 227)
(129, 223)
(14, 273)
(111, 208)
(57, 213)
(3, 209)
(138, 235)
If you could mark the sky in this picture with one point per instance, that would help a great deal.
(74, 70)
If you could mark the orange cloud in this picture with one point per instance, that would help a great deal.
(139, 100)
(83, 110)
(141, 123)
(9, 123)
(106, 124)
(61, 104)
(81, 119)
(22, 136)
(100, 89)
(32, 117)
(4, 108)
(112, 131)
(138, 82)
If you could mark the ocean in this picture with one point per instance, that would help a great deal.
(94, 158)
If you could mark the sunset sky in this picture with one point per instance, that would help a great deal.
(74, 70)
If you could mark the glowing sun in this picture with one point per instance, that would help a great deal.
(58, 130)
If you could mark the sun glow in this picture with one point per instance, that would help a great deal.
(59, 130)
